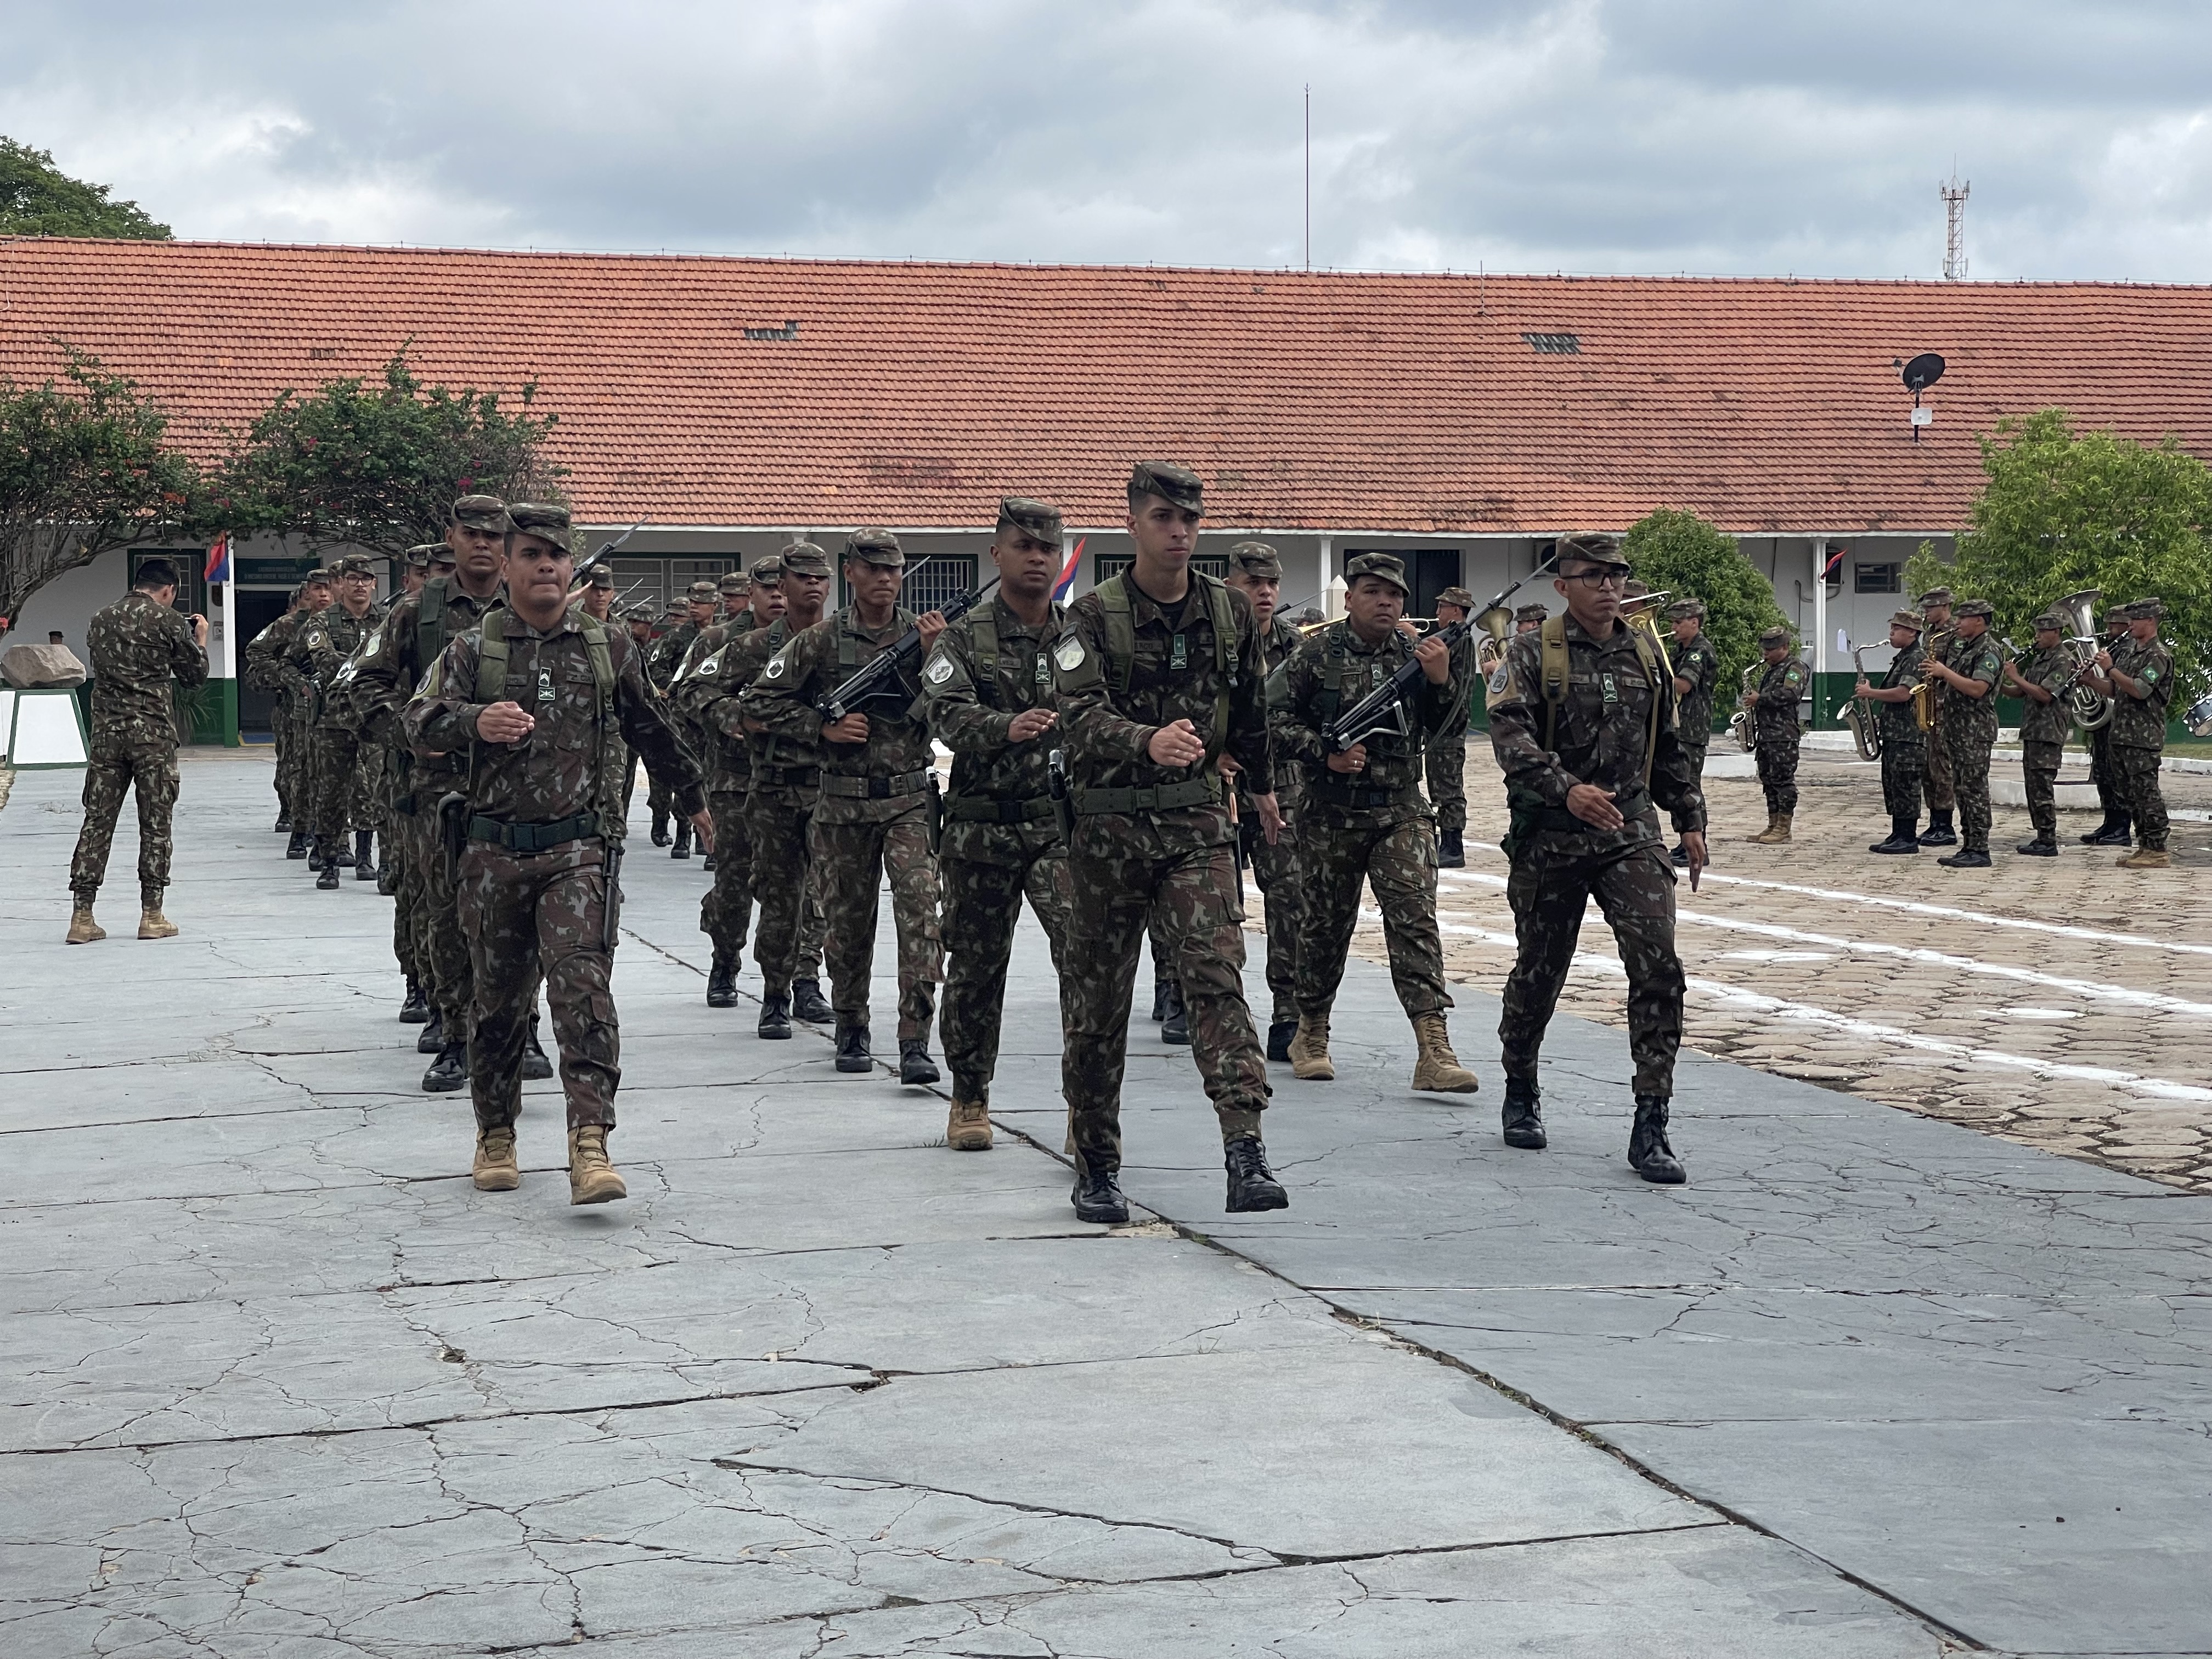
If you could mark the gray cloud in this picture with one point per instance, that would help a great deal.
(1699, 135)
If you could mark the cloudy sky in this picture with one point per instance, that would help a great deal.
(1701, 136)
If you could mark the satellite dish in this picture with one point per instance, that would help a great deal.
(1923, 372)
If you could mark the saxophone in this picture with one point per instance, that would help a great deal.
(1866, 731)
(1746, 738)
(1923, 689)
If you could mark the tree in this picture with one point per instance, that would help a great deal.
(37, 199)
(1683, 554)
(84, 468)
(2066, 510)
(378, 466)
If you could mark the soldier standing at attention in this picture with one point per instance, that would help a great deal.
(736, 591)
(2042, 682)
(1903, 765)
(707, 694)
(1934, 640)
(988, 690)
(1366, 824)
(1773, 706)
(1581, 721)
(264, 672)
(1697, 669)
(464, 584)
(780, 802)
(2139, 678)
(661, 663)
(598, 594)
(1158, 673)
(541, 698)
(322, 649)
(873, 817)
(1967, 722)
(138, 646)
(2114, 831)
(1255, 570)
(1444, 760)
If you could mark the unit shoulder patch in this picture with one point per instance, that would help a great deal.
(774, 669)
(939, 669)
(1068, 653)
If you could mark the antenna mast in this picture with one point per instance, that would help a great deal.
(1309, 175)
(1954, 228)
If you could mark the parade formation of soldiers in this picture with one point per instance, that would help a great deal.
(1120, 764)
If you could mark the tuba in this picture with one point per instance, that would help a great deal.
(1866, 728)
(2091, 709)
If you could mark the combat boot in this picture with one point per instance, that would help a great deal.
(536, 1067)
(338, 853)
(916, 1066)
(297, 846)
(415, 1007)
(660, 829)
(364, 856)
(722, 980)
(852, 1048)
(2038, 849)
(84, 930)
(2120, 834)
(707, 864)
(1438, 1070)
(495, 1169)
(326, 877)
(283, 822)
(1175, 1028)
(809, 1005)
(1252, 1184)
(431, 1039)
(449, 1073)
(1767, 832)
(1649, 1154)
(2096, 837)
(683, 848)
(1777, 831)
(1279, 1033)
(1966, 858)
(968, 1127)
(1160, 998)
(775, 1018)
(1902, 838)
(1310, 1060)
(2146, 858)
(152, 924)
(1098, 1195)
(1680, 857)
(1523, 1118)
(1938, 832)
(1451, 849)
(592, 1179)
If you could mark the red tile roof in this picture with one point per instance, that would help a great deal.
(915, 394)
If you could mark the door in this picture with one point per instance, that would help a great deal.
(257, 608)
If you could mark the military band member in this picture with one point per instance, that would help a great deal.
(1158, 673)
(1775, 732)
(535, 698)
(988, 690)
(321, 651)
(1935, 636)
(2042, 682)
(1966, 722)
(872, 820)
(1582, 722)
(2113, 829)
(1903, 767)
(1444, 760)
(702, 600)
(2139, 678)
(1255, 570)
(1365, 822)
(1696, 672)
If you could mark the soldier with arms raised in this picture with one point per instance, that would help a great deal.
(1903, 767)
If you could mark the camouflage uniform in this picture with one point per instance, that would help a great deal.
(264, 654)
(662, 661)
(2114, 825)
(872, 820)
(137, 646)
(1941, 802)
(317, 654)
(785, 785)
(1444, 756)
(1278, 870)
(1699, 664)
(2139, 728)
(1153, 842)
(532, 886)
(1969, 730)
(1903, 764)
(1775, 733)
(1000, 839)
(2043, 730)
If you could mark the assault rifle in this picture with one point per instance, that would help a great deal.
(882, 678)
(1384, 709)
(606, 551)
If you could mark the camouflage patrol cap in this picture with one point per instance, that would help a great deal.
(1592, 550)
(1387, 566)
(638, 613)
(804, 559)
(872, 545)
(355, 565)
(1038, 519)
(547, 521)
(702, 591)
(1907, 619)
(2049, 620)
(733, 582)
(1771, 637)
(1935, 596)
(322, 578)
(2147, 610)
(768, 571)
(1686, 611)
(603, 575)
(1458, 596)
(481, 513)
(1257, 559)
(1634, 588)
(1176, 485)
(1974, 608)
(1532, 613)
(420, 555)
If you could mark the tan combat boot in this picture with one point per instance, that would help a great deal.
(1765, 834)
(152, 924)
(592, 1179)
(2146, 858)
(1438, 1069)
(968, 1127)
(1776, 832)
(83, 928)
(1310, 1058)
(496, 1170)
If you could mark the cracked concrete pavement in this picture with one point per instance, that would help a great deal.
(281, 1384)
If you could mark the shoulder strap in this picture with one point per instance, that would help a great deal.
(603, 661)
(1328, 702)
(1224, 616)
(1121, 632)
(1663, 687)
(848, 653)
(983, 631)
(1553, 671)
(491, 657)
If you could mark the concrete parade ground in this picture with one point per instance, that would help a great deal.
(1884, 1379)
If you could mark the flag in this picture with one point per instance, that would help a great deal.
(1067, 572)
(218, 560)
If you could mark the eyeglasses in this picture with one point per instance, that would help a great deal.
(1615, 576)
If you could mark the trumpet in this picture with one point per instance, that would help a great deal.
(1866, 730)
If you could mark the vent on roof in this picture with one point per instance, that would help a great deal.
(1555, 345)
(788, 331)
(321, 354)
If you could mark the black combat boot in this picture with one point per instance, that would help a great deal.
(1649, 1154)
(432, 1038)
(707, 864)
(1966, 858)
(1162, 989)
(1680, 858)
(2118, 834)
(415, 1009)
(2038, 849)
(775, 1018)
(326, 874)
(683, 848)
(364, 856)
(1902, 838)
(808, 1003)
(297, 846)
(1279, 1033)
(852, 1048)
(283, 821)
(339, 852)
(1098, 1194)
(1938, 832)
(535, 1067)
(449, 1073)
(1252, 1184)
(722, 980)
(915, 1064)
(660, 829)
(1451, 849)
(1523, 1114)
(2096, 837)
(1175, 1024)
